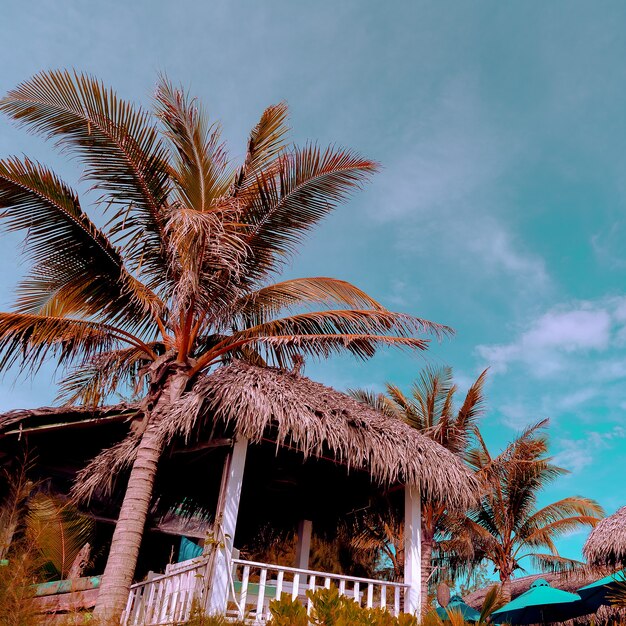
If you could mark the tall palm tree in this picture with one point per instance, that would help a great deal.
(179, 278)
(430, 409)
(507, 526)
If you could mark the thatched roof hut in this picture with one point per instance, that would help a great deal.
(267, 404)
(295, 411)
(311, 453)
(606, 544)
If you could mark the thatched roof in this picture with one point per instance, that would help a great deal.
(606, 544)
(291, 410)
(53, 418)
(567, 582)
(318, 420)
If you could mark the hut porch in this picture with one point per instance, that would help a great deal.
(280, 487)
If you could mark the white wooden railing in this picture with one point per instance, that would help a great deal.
(170, 598)
(255, 585)
(167, 598)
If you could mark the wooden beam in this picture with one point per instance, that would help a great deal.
(303, 547)
(207, 445)
(85, 423)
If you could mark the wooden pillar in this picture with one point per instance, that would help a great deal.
(225, 526)
(413, 549)
(303, 548)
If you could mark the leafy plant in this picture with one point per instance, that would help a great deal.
(59, 530)
(16, 580)
(288, 612)
(330, 608)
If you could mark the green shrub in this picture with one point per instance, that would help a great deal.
(330, 608)
(288, 612)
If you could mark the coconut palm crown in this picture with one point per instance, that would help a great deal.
(180, 278)
(508, 527)
(430, 409)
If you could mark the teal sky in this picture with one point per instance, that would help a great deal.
(500, 209)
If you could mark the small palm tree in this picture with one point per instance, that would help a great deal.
(430, 409)
(507, 526)
(179, 278)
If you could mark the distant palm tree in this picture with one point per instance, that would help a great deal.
(178, 280)
(507, 526)
(430, 409)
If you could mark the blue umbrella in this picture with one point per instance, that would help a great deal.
(541, 603)
(595, 594)
(456, 604)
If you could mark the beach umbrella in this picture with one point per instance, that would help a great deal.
(595, 594)
(540, 604)
(456, 604)
(606, 544)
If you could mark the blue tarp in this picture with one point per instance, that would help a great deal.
(188, 550)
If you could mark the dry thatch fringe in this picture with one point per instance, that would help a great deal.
(317, 419)
(44, 416)
(606, 544)
(100, 474)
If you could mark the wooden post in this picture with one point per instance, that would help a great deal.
(413, 549)
(225, 526)
(303, 548)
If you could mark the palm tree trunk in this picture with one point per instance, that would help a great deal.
(124, 551)
(505, 587)
(122, 560)
(427, 567)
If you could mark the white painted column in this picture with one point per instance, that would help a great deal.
(225, 525)
(303, 548)
(413, 549)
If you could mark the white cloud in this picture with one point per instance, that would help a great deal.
(546, 346)
(501, 253)
(577, 454)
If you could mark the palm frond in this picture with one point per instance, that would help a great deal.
(346, 321)
(472, 406)
(574, 506)
(58, 529)
(200, 164)
(377, 401)
(77, 271)
(555, 563)
(410, 412)
(283, 205)
(262, 305)
(264, 145)
(120, 146)
(100, 474)
(95, 380)
(28, 340)
(326, 332)
(547, 533)
(493, 601)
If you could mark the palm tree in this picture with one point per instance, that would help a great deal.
(179, 278)
(507, 526)
(430, 409)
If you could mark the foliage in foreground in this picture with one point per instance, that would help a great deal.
(330, 608)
